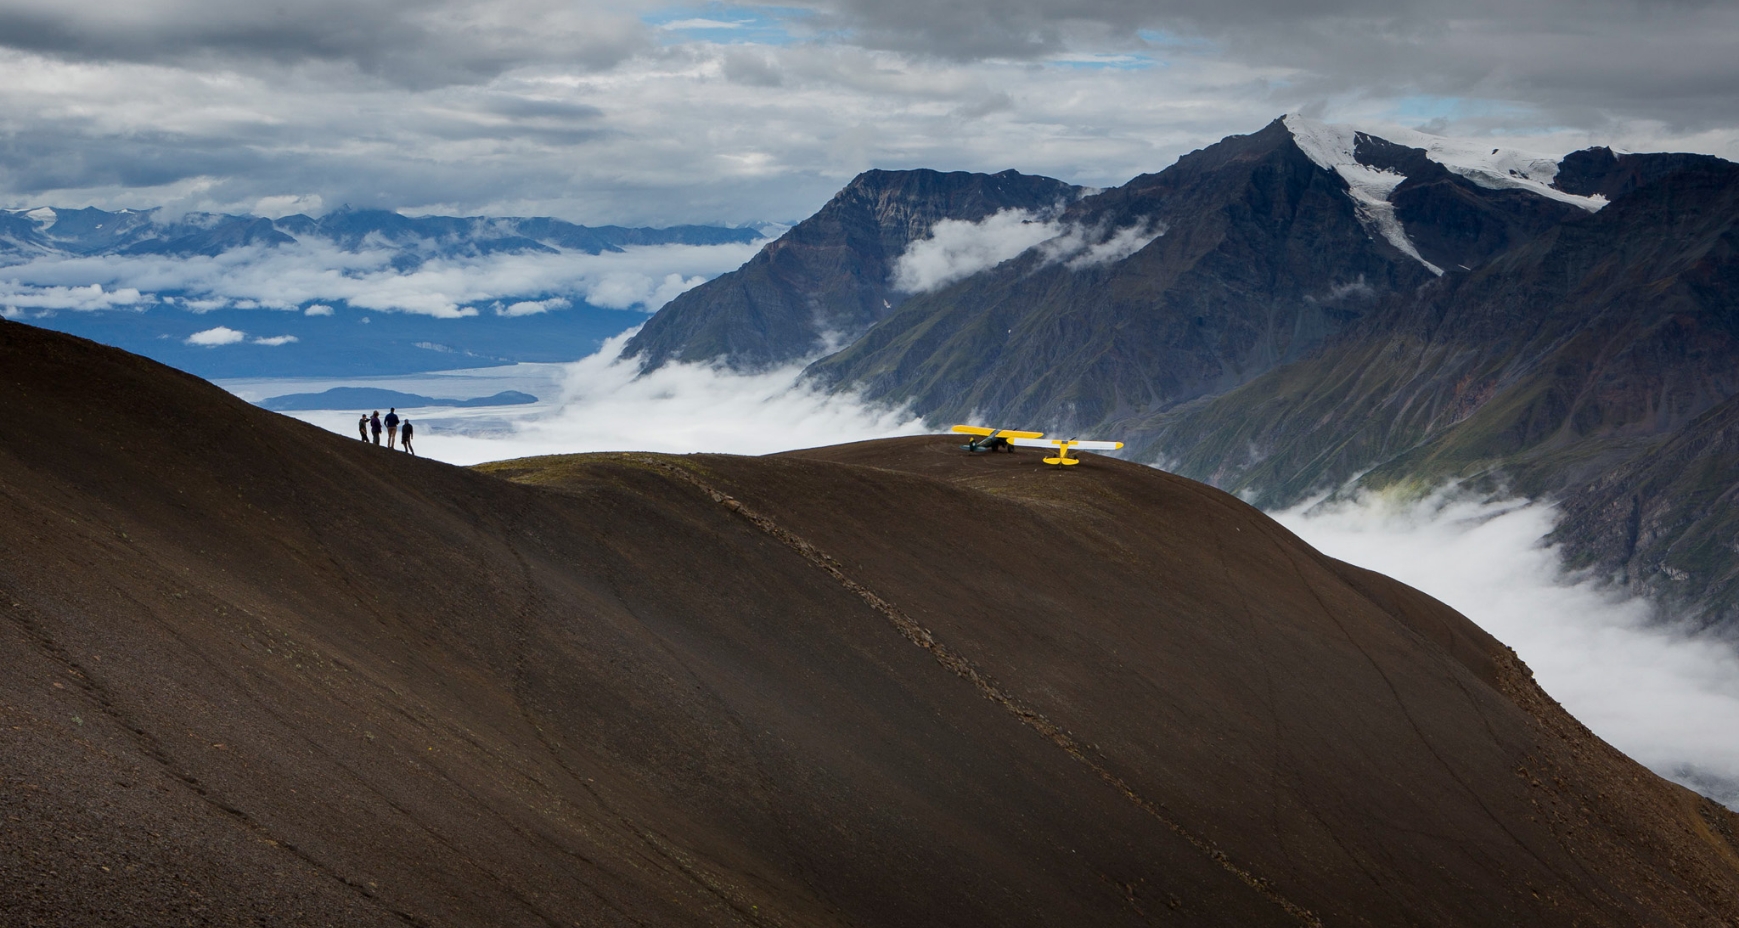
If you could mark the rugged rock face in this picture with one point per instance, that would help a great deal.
(264, 674)
(827, 279)
(1251, 255)
(1599, 172)
(1566, 367)
(1665, 522)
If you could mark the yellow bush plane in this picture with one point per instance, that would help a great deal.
(1004, 439)
(992, 439)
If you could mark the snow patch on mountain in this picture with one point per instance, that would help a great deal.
(1331, 147)
(1495, 167)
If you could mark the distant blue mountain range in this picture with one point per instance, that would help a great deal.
(32, 233)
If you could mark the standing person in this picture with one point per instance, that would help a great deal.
(392, 426)
(362, 426)
(374, 425)
(405, 437)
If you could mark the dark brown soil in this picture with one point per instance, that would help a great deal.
(255, 673)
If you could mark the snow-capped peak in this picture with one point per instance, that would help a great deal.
(1333, 148)
(1494, 167)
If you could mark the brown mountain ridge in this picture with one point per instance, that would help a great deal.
(256, 673)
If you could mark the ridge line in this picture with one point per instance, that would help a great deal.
(961, 667)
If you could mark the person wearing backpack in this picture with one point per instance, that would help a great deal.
(362, 426)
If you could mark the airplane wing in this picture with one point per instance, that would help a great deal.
(1069, 443)
(1004, 433)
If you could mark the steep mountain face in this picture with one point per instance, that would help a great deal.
(1252, 252)
(828, 278)
(26, 234)
(1566, 368)
(1664, 522)
(1597, 172)
(264, 674)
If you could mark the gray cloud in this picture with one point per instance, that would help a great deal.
(417, 43)
(524, 107)
(1580, 63)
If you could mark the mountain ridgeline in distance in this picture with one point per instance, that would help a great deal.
(1312, 305)
(265, 674)
(32, 233)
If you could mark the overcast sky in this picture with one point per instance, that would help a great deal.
(650, 113)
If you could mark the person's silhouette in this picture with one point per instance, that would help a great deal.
(392, 426)
(405, 436)
(374, 425)
(362, 426)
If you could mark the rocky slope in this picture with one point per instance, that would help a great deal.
(259, 673)
(828, 278)
(1574, 366)
(1252, 255)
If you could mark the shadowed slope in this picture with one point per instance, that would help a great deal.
(260, 673)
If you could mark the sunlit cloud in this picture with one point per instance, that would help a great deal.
(221, 335)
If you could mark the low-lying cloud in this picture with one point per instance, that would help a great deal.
(1081, 247)
(957, 249)
(605, 404)
(1667, 698)
(20, 297)
(291, 276)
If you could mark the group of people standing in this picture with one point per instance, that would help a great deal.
(395, 428)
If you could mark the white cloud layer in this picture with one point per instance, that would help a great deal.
(1666, 698)
(1082, 247)
(956, 249)
(18, 296)
(603, 405)
(284, 277)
